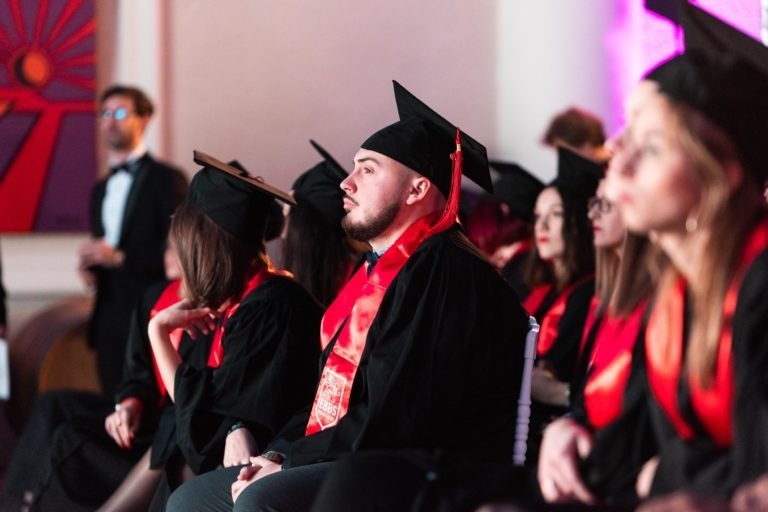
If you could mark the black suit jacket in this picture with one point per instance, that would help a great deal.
(156, 192)
(2, 298)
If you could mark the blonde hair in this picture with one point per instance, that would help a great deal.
(607, 262)
(728, 214)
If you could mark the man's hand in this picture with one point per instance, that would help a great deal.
(259, 468)
(98, 253)
(752, 496)
(239, 447)
(122, 424)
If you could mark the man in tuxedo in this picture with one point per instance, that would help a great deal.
(3, 320)
(129, 214)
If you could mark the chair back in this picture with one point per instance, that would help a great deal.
(524, 400)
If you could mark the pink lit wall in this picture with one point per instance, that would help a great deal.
(639, 39)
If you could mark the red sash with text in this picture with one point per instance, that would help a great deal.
(713, 406)
(609, 366)
(267, 272)
(168, 297)
(350, 316)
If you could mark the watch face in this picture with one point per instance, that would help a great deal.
(275, 457)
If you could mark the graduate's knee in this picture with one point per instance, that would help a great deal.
(179, 500)
(209, 492)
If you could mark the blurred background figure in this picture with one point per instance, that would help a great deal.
(580, 131)
(3, 311)
(561, 277)
(501, 225)
(130, 213)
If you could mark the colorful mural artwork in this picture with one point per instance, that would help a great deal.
(47, 114)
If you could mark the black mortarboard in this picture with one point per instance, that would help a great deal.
(667, 8)
(320, 187)
(423, 140)
(517, 188)
(723, 74)
(232, 199)
(273, 225)
(576, 174)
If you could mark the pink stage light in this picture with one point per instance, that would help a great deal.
(640, 39)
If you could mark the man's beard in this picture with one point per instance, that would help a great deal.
(119, 141)
(370, 228)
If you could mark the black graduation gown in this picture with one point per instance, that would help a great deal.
(269, 371)
(514, 271)
(700, 464)
(561, 358)
(76, 465)
(442, 365)
(621, 447)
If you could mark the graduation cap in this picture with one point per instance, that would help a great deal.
(273, 225)
(669, 9)
(517, 188)
(423, 140)
(576, 175)
(320, 187)
(233, 199)
(723, 74)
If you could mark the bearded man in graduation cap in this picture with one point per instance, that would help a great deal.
(423, 347)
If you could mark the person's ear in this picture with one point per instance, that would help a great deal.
(418, 188)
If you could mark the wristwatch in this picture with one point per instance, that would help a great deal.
(236, 426)
(276, 457)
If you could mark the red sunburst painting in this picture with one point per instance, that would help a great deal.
(47, 125)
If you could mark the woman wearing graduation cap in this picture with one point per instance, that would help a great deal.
(693, 165)
(606, 381)
(501, 225)
(262, 365)
(316, 250)
(561, 276)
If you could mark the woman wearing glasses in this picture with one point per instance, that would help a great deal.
(607, 356)
(690, 169)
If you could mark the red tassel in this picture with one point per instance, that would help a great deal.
(451, 211)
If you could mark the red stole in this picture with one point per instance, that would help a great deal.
(267, 271)
(551, 321)
(609, 366)
(168, 297)
(356, 306)
(664, 353)
(536, 297)
(589, 324)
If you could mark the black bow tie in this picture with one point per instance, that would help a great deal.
(119, 168)
(372, 258)
(131, 167)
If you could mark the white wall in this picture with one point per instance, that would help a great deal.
(256, 85)
(254, 80)
(550, 55)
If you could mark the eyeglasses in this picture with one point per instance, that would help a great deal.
(602, 205)
(118, 114)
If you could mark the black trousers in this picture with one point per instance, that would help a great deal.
(287, 491)
(65, 457)
(417, 481)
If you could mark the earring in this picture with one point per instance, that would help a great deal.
(691, 224)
